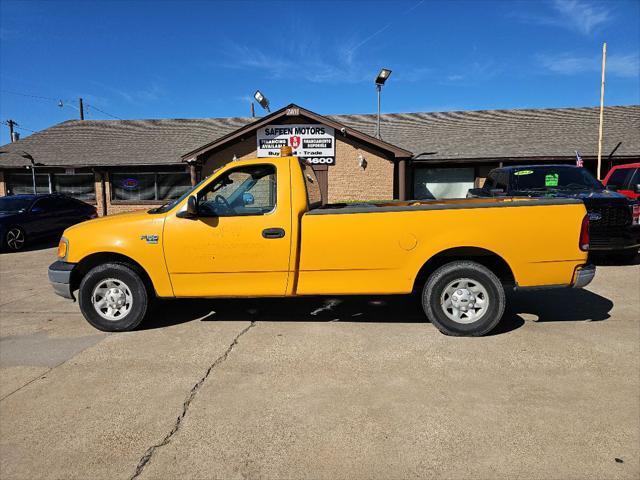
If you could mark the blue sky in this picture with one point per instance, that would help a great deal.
(170, 59)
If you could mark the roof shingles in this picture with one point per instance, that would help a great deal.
(526, 133)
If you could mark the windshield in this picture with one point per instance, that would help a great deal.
(164, 208)
(14, 204)
(555, 178)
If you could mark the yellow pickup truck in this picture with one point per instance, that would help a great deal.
(258, 228)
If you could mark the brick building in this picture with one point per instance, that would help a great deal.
(132, 164)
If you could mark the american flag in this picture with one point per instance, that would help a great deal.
(579, 162)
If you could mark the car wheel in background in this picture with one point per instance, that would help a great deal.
(14, 239)
(113, 297)
(463, 298)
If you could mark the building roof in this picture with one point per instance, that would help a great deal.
(301, 113)
(117, 142)
(491, 134)
(527, 133)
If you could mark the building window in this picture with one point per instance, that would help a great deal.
(148, 186)
(443, 182)
(21, 183)
(79, 185)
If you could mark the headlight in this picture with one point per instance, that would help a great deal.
(63, 248)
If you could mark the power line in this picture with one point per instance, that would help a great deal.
(28, 95)
(61, 102)
(102, 111)
(15, 125)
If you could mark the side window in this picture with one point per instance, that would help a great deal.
(618, 178)
(243, 191)
(634, 180)
(314, 194)
(45, 205)
(490, 182)
(67, 204)
(502, 181)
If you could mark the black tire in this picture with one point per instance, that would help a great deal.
(14, 239)
(434, 291)
(122, 274)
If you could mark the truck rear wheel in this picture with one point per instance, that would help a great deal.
(113, 297)
(463, 298)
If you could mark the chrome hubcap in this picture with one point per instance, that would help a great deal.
(112, 299)
(15, 239)
(464, 300)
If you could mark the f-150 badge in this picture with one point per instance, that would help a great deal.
(152, 239)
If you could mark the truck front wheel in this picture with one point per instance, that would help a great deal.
(463, 298)
(113, 297)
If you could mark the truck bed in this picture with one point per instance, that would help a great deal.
(445, 204)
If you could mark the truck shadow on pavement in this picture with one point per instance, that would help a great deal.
(561, 305)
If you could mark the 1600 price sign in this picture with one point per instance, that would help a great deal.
(319, 160)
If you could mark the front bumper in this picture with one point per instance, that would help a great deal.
(583, 276)
(60, 278)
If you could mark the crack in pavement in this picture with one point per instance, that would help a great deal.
(148, 455)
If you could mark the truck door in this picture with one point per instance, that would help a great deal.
(239, 244)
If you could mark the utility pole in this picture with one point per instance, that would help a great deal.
(11, 124)
(604, 63)
(81, 108)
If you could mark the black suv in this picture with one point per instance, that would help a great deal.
(613, 224)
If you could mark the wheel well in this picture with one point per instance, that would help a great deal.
(96, 259)
(489, 259)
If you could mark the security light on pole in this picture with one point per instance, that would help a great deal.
(382, 77)
(262, 100)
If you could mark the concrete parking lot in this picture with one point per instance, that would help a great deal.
(319, 388)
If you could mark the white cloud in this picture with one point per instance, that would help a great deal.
(627, 66)
(317, 65)
(624, 65)
(582, 16)
(151, 93)
(575, 15)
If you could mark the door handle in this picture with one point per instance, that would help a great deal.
(273, 232)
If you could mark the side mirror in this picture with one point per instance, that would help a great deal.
(248, 198)
(192, 208)
(612, 188)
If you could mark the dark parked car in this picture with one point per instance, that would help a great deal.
(27, 218)
(613, 218)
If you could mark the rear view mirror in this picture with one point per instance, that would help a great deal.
(192, 208)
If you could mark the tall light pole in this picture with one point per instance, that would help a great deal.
(604, 64)
(380, 79)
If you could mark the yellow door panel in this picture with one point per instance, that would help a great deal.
(239, 245)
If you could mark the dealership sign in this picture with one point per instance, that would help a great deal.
(310, 141)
